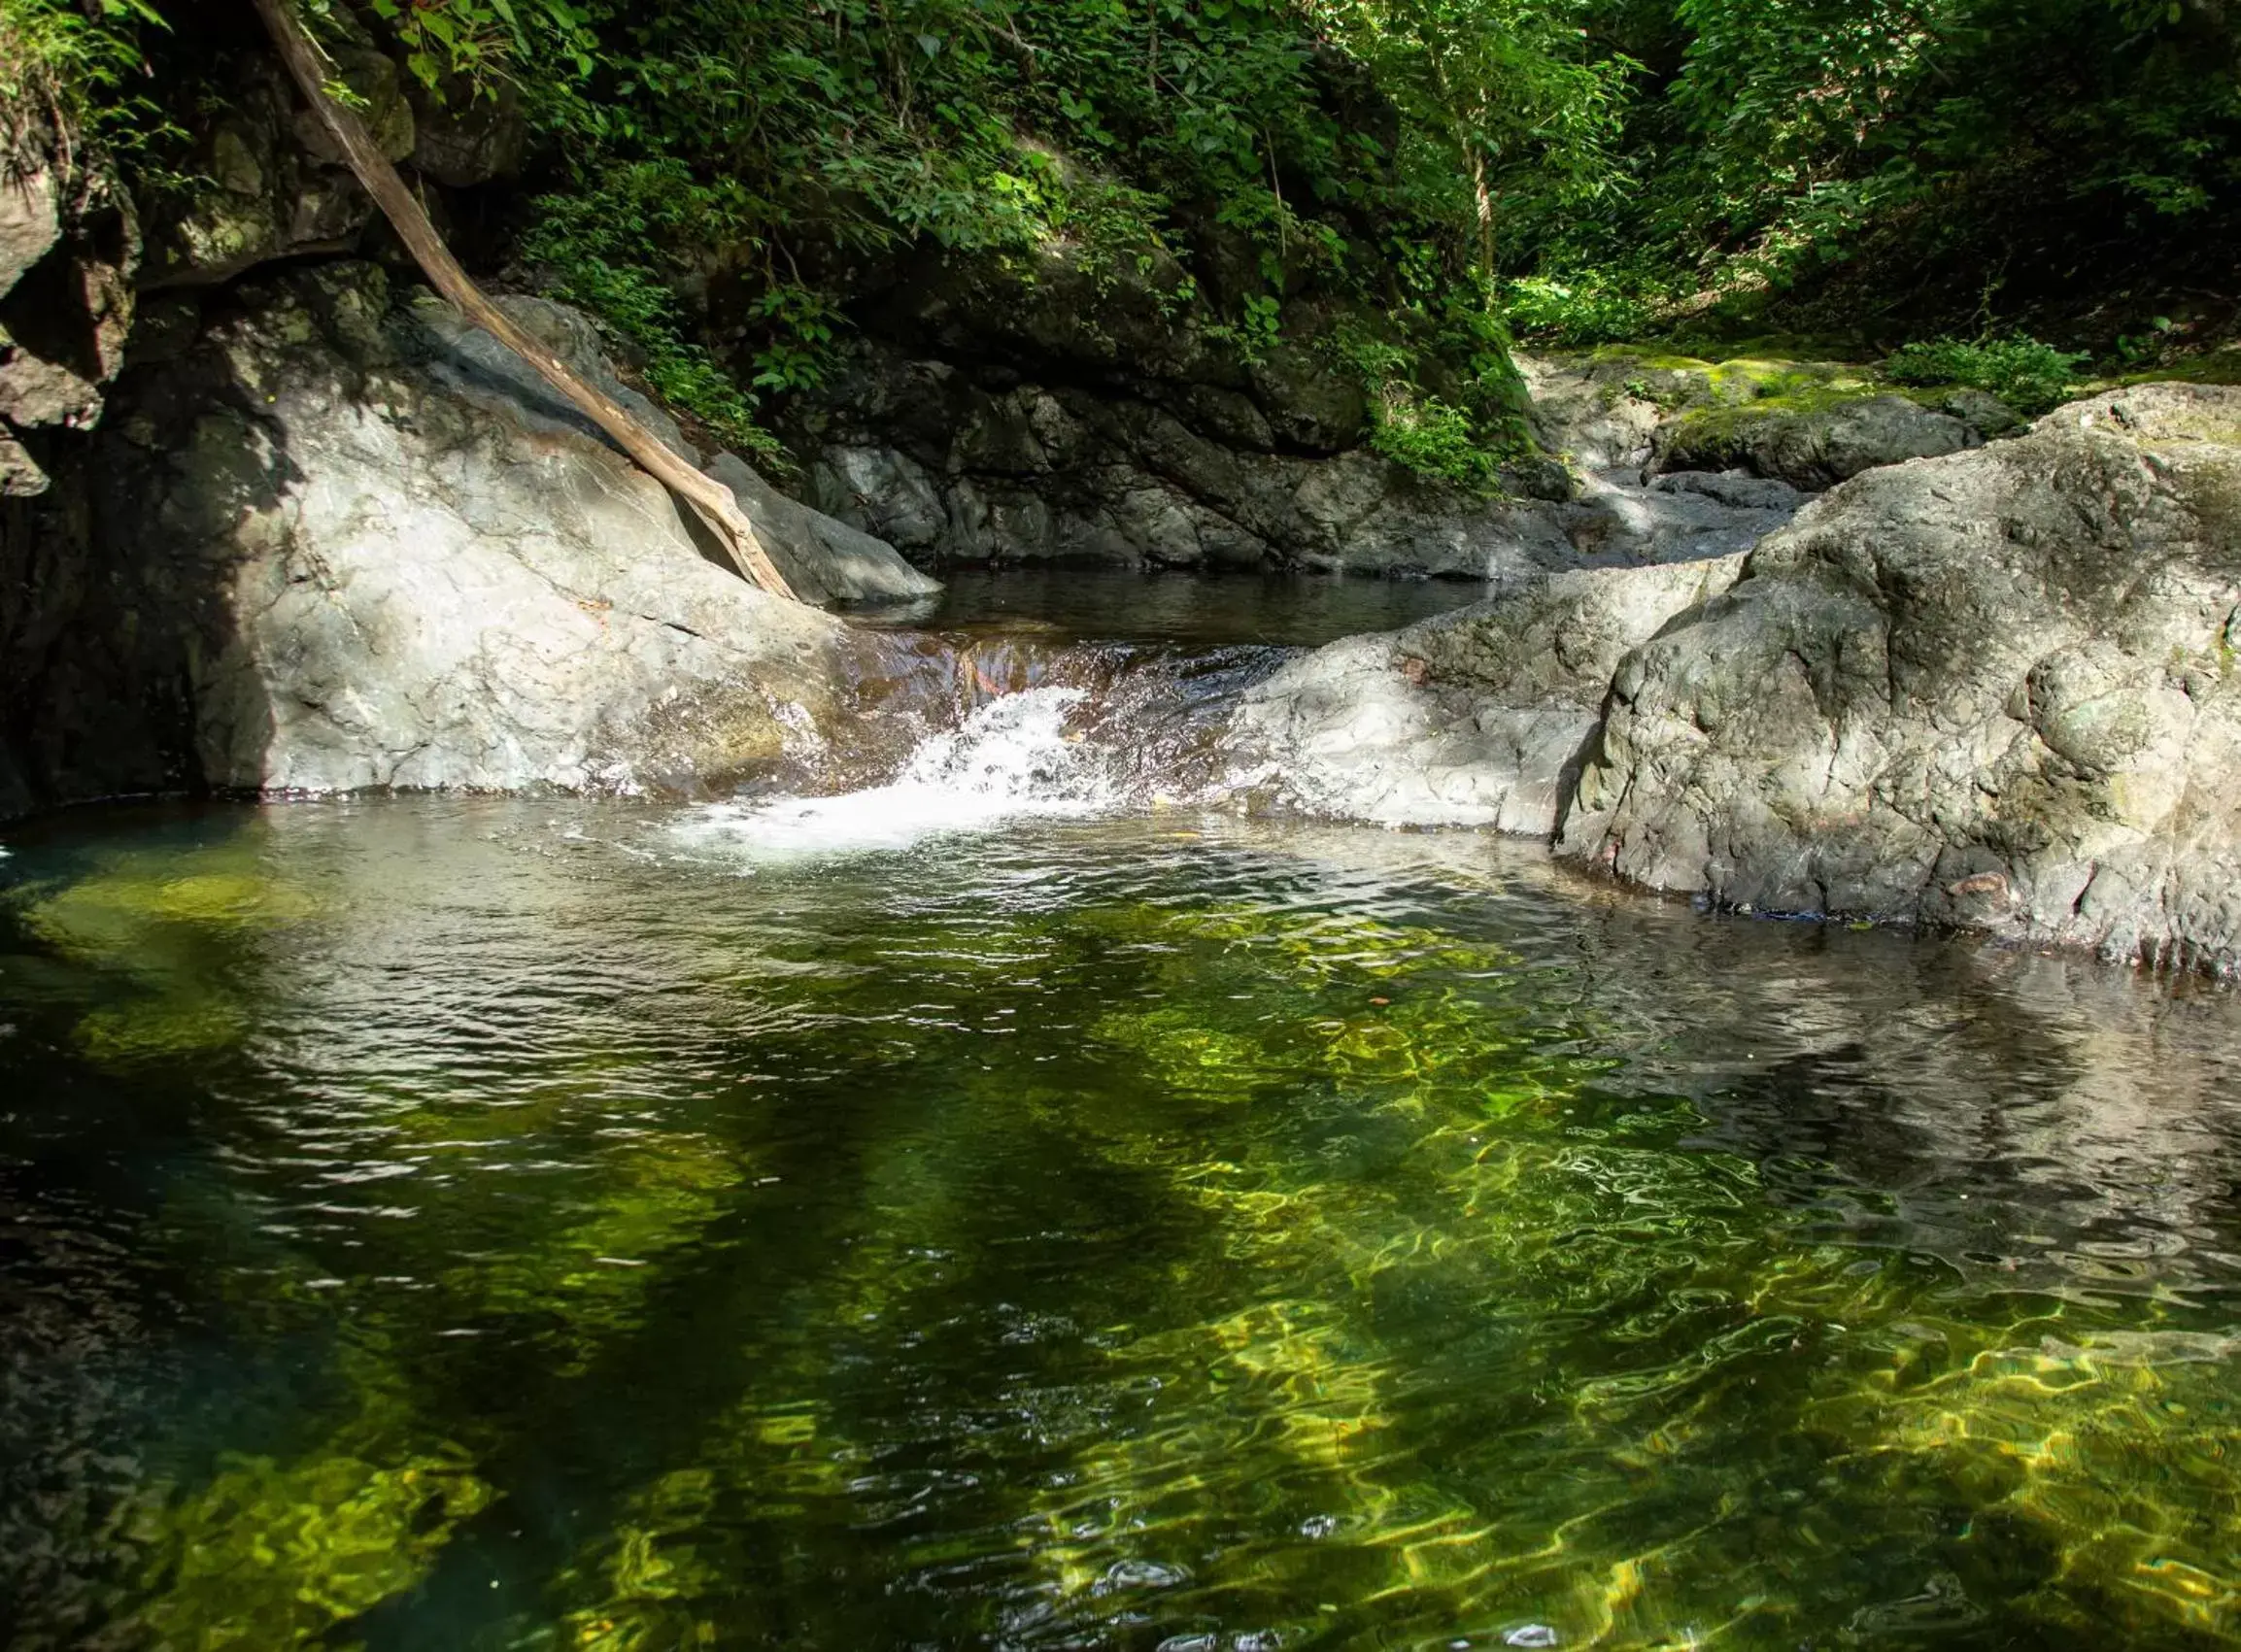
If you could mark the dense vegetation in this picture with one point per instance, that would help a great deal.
(721, 172)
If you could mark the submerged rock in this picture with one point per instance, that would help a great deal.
(1998, 688)
(340, 546)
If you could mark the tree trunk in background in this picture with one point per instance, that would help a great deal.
(709, 499)
(1482, 197)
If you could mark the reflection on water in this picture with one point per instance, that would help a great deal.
(1118, 605)
(447, 1223)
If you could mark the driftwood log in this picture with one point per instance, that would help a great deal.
(709, 499)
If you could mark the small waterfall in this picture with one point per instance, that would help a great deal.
(1014, 728)
(1014, 758)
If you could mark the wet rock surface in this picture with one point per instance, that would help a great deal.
(1996, 687)
(1482, 716)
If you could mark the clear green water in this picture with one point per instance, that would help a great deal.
(440, 1225)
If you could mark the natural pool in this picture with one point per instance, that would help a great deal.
(432, 1224)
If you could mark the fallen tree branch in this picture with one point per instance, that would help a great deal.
(709, 499)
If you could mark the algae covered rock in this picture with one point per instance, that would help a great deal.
(1808, 444)
(1810, 424)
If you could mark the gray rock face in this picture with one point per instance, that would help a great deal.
(344, 546)
(468, 135)
(955, 467)
(30, 217)
(69, 245)
(266, 185)
(1481, 717)
(1998, 689)
(823, 559)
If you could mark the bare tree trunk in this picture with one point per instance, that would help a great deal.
(1482, 197)
(709, 499)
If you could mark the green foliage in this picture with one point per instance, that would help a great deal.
(600, 250)
(2030, 377)
(1940, 154)
(1589, 310)
(1428, 436)
(724, 180)
(1447, 426)
(481, 41)
(1505, 106)
(76, 66)
(727, 164)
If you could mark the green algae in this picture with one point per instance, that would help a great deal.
(1116, 1261)
(268, 1555)
(168, 925)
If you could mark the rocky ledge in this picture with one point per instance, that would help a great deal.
(1053, 417)
(1999, 688)
(325, 541)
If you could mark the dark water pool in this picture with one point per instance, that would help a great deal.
(1116, 605)
(440, 1225)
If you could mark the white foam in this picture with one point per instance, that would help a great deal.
(1013, 758)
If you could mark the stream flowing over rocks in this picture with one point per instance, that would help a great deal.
(1770, 634)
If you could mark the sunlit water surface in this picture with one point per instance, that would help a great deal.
(438, 1224)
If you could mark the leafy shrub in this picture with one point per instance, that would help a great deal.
(600, 249)
(1587, 311)
(74, 63)
(1432, 439)
(2030, 377)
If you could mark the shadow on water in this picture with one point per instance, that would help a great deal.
(480, 1224)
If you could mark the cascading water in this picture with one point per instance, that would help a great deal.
(1020, 727)
(1013, 758)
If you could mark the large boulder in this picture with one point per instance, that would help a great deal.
(824, 561)
(1811, 444)
(2000, 689)
(1810, 424)
(338, 545)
